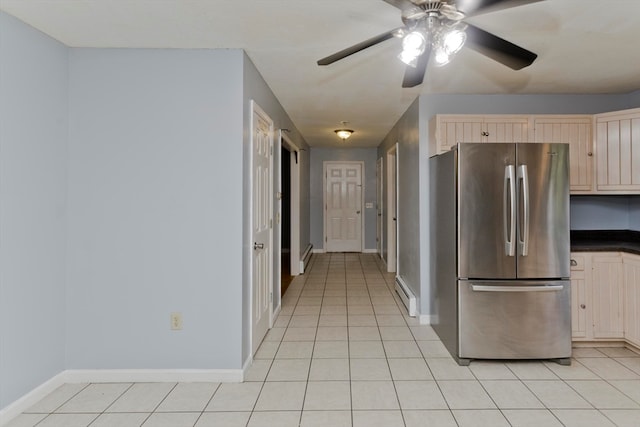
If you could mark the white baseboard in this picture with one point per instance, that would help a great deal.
(275, 314)
(31, 398)
(119, 375)
(246, 366)
(407, 296)
(318, 251)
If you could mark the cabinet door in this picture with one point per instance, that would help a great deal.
(578, 304)
(631, 266)
(575, 131)
(506, 129)
(579, 298)
(608, 296)
(618, 152)
(454, 129)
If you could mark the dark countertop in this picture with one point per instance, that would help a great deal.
(605, 241)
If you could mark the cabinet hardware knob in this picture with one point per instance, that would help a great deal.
(583, 306)
(485, 134)
(590, 154)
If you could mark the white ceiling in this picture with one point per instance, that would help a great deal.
(584, 46)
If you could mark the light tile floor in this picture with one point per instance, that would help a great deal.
(343, 353)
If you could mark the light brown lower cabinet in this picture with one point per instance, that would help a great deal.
(605, 297)
(631, 264)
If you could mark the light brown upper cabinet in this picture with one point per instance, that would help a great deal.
(604, 148)
(618, 152)
(446, 130)
(575, 131)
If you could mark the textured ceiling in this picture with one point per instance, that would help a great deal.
(584, 46)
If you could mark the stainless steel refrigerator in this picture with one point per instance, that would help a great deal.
(500, 251)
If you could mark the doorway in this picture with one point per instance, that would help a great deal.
(343, 206)
(379, 205)
(285, 219)
(392, 209)
(287, 224)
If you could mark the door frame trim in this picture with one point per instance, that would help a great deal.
(295, 202)
(380, 207)
(325, 164)
(392, 198)
(255, 109)
(294, 210)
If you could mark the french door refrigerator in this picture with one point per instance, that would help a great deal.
(500, 251)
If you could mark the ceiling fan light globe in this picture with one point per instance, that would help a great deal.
(441, 57)
(453, 41)
(410, 58)
(414, 41)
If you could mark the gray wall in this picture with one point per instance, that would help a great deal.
(33, 146)
(605, 212)
(155, 191)
(410, 216)
(633, 99)
(122, 177)
(320, 155)
(255, 88)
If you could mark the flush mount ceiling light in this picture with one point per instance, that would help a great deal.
(437, 28)
(343, 134)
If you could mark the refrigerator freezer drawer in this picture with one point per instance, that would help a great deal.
(514, 320)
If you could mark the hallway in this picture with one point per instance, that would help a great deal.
(343, 353)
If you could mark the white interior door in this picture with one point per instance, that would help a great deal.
(379, 204)
(343, 206)
(262, 195)
(392, 221)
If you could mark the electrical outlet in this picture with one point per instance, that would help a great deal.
(176, 321)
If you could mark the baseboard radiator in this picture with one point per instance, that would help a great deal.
(306, 256)
(407, 297)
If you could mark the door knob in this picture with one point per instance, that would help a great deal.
(257, 246)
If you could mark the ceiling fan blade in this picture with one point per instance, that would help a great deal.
(477, 7)
(413, 76)
(357, 48)
(400, 4)
(498, 49)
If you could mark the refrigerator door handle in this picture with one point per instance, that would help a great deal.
(488, 288)
(523, 234)
(509, 210)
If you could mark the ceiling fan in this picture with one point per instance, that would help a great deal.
(437, 28)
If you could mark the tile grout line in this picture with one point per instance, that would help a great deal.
(386, 358)
(313, 347)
